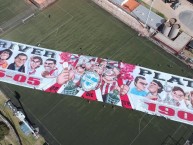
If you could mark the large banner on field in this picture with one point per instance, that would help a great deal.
(98, 79)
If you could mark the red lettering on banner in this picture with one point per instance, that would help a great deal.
(33, 81)
(185, 115)
(19, 78)
(170, 111)
(2, 73)
(166, 111)
(151, 106)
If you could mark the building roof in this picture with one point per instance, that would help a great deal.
(118, 2)
(191, 44)
(20, 115)
(25, 129)
(186, 17)
(178, 44)
(130, 5)
(40, 1)
(154, 20)
(11, 106)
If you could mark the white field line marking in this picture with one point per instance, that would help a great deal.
(55, 30)
(141, 131)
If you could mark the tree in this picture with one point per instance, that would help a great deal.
(4, 130)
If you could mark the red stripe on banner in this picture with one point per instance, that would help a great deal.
(90, 95)
(106, 88)
(54, 88)
(52, 71)
(112, 86)
(124, 98)
(125, 101)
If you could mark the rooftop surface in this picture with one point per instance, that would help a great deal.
(165, 8)
(150, 18)
(119, 2)
(180, 42)
(186, 17)
(130, 5)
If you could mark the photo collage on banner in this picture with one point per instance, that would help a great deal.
(98, 79)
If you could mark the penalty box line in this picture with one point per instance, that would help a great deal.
(142, 130)
(55, 30)
(52, 109)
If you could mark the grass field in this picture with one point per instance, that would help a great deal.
(65, 120)
(9, 8)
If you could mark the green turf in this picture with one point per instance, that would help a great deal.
(10, 8)
(70, 120)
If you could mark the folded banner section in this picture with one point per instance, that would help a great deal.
(97, 79)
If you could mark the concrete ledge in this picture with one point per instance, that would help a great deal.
(178, 44)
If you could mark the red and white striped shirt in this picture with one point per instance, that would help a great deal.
(107, 87)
